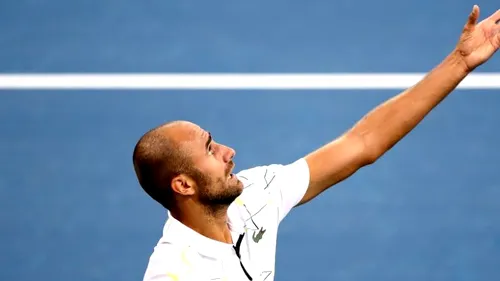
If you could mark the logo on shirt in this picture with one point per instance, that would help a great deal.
(257, 236)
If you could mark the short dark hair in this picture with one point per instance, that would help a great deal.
(157, 160)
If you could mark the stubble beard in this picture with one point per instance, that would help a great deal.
(217, 195)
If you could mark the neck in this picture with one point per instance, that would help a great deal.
(209, 222)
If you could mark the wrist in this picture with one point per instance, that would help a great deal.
(457, 62)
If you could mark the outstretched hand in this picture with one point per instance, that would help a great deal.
(479, 41)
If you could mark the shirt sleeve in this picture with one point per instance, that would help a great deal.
(285, 184)
(169, 263)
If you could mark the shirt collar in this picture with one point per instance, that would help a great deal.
(175, 231)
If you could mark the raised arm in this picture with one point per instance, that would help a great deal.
(384, 126)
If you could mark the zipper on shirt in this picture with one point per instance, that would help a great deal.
(237, 250)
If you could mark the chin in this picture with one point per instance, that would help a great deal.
(232, 180)
(237, 189)
(240, 186)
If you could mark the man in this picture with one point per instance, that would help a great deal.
(223, 226)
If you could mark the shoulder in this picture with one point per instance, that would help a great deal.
(277, 187)
(275, 175)
(171, 261)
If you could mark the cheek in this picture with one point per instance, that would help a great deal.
(208, 166)
(215, 169)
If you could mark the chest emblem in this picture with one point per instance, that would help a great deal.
(257, 236)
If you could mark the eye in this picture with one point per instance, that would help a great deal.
(210, 150)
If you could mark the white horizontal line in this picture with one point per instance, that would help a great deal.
(233, 81)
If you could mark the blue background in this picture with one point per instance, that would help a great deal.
(70, 206)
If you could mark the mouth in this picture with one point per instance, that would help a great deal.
(229, 172)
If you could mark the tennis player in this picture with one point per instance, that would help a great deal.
(224, 226)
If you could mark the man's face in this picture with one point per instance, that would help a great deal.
(216, 185)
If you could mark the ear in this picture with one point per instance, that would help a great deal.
(183, 185)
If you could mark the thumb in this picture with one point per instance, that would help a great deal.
(473, 16)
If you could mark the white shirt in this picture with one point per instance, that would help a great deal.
(269, 193)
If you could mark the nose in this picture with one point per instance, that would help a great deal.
(229, 154)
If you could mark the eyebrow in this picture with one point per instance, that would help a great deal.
(209, 140)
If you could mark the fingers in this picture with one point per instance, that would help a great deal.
(496, 17)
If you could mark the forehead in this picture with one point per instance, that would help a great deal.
(197, 145)
(190, 135)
